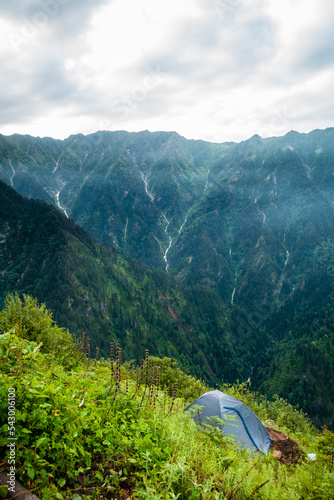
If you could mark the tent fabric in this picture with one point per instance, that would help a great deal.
(245, 427)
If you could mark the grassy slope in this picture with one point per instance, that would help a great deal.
(82, 431)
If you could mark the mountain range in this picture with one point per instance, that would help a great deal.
(229, 246)
(92, 289)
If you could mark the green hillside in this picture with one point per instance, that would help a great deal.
(245, 232)
(99, 429)
(300, 359)
(94, 290)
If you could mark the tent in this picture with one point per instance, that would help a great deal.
(246, 428)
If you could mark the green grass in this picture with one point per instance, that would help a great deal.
(96, 429)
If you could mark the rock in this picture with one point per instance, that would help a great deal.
(20, 492)
(277, 454)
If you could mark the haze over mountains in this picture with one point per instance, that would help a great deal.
(252, 224)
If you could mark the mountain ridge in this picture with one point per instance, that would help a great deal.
(151, 195)
(250, 225)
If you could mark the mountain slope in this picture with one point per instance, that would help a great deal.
(299, 362)
(256, 229)
(92, 289)
(252, 221)
(243, 219)
(131, 190)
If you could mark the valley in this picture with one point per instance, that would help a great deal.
(248, 224)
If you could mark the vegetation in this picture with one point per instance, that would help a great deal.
(300, 358)
(92, 428)
(240, 217)
(94, 290)
(245, 231)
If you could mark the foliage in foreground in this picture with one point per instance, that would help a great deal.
(98, 429)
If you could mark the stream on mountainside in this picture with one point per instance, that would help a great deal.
(59, 205)
(12, 177)
(145, 179)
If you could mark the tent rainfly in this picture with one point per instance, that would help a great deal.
(246, 428)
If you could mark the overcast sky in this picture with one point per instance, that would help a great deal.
(216, 70)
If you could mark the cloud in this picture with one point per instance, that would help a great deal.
(317, 52)
(219, 69)
(76, 13)
(38, 40)
(204, 57)
(33, 28)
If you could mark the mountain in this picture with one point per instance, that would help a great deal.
(244, 231)
(300, 353)
(243, 219)
(92, 289)
(125, 188)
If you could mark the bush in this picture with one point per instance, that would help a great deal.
(33, 322)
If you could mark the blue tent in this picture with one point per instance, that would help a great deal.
(245, 427)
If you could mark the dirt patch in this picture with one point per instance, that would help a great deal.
(285, 449)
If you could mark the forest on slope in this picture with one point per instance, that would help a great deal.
(245, 232)
(243, 219)
(94, 290)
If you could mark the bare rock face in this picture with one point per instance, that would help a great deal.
(285, 449)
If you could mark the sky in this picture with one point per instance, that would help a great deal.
(216, 70)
